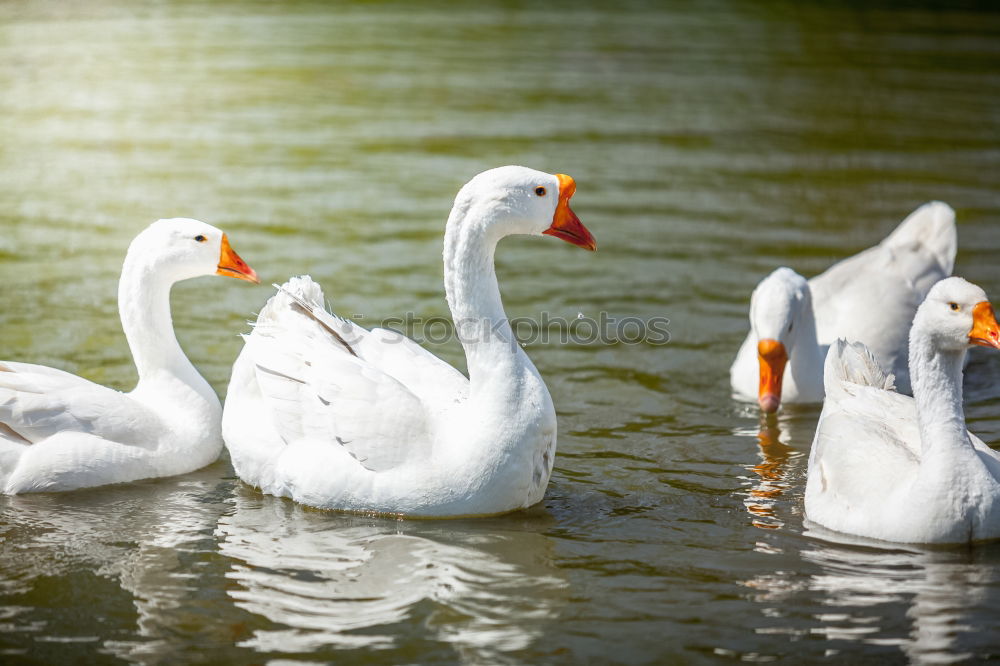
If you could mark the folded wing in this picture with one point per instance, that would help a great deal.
(323, 378)
(38, 402)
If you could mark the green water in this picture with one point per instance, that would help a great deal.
(710, 143)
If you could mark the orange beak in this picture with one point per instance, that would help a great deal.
(772, 357)
(565, 224)
(231, 265)
(985, 330)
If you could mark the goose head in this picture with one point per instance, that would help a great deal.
(957, 315)
(776, 308)
(525, 201)
(181, 248)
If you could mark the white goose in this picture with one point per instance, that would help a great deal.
(335, 416)
(891, 467)
(869, 298)
(62, 432)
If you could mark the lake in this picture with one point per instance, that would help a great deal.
(710, 144)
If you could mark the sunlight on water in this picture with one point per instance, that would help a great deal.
(482, 592)
(710, 144)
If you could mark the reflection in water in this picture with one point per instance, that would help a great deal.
(330, 138)
(774, 471)
(179, 554)
(137, 538)
(771, 471)
(928, 602)
(330, 580)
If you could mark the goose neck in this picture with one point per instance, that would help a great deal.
(144, 307)
(474, 295)
(936, 376)
(805, 363)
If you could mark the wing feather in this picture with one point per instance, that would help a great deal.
(390, 351)
(873, 295)
(37, 405)
(318, 379)
(867, 434)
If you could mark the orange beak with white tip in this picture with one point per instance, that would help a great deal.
(772, 357)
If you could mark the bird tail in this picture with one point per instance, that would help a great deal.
(852, 363)
(297, 290)
(933, 226)
(301, 296)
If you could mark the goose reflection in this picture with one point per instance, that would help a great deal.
(144, 539)
(779, 462)
(340, 581)
(931, 603)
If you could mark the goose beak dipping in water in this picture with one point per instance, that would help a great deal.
(62, 432)
(335, 416)
(772, 357)
(870, 298)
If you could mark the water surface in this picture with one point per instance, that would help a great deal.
(710, 144)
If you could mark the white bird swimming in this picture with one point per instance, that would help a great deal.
(335, 416)
(60, 432)
(870, 298)
(891, 467)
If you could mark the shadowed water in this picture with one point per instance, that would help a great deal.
(709, 143)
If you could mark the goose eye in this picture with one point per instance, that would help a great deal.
(954, 306)
(200, 238)
(540, 191)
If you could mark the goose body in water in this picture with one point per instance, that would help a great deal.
(336, 416)
(59, 431)
(870, 298)
(891, 467)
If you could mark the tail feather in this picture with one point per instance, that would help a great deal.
(303, 296)
(932, 226)
(321, 317)
(299, 289)
(852, 363)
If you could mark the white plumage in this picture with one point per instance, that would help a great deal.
(61, 432)
(870, 298)
(887, 466)
(336, 416)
